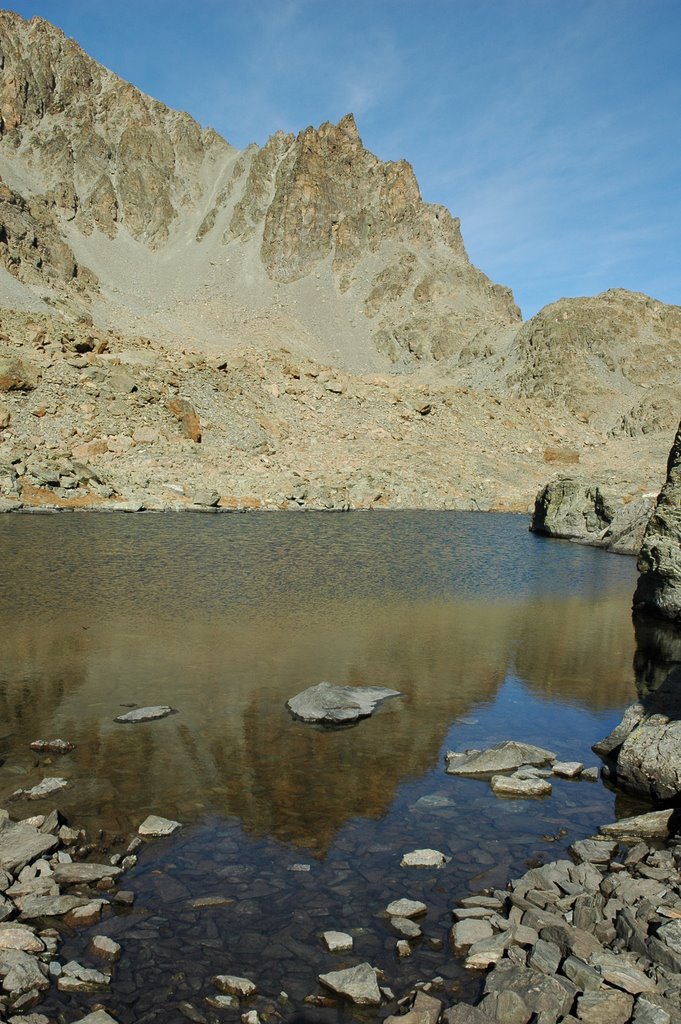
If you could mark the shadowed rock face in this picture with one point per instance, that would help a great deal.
(659, 585)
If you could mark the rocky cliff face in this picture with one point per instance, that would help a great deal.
(659, 585)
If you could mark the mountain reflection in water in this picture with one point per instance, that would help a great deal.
(225, 617)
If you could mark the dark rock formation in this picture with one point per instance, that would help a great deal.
(580, 510)
(659, 586)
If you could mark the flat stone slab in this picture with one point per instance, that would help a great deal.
(149, 714)
(45, 788)
(568, 769)
(338, 942)
(502, 757)
(155, 827)
(22, 844)
(357, 984)
(98, 1017)
(510, 785)
(406, 908)
(654, 825)
(423, 859)
(80, 872)
(337, 705)
(50, 906)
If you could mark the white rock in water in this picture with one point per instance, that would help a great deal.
(337, 705)
(156, 826)
(406, 908)
(423, 859)
(98, 1017)
(358, 984)
(234, 986)
(568, 769)
(338, 942)
(511, 785)
(43, 789)
(145, 714)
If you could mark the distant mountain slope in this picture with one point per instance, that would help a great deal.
(335, 345)
(313, 228)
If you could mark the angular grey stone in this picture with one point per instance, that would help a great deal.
(406, 908)
(462, 1013)
(337, 942)
(423, 859)
(513, 786)
(485, 952)
(233, 985)
(541, 993)
(21, 972)
(506, 1007)
(647, 1012)
(77, 978)
(654, 825)
(594, 851)
(585, 977)
(154, 826)
(42, 789)
(608, 747)
(671, 935)
(545, 957)
(105, 947)
(149, 714)
(81, 872)
(568, 769)
(604, 1007)
(337, 705)
(622, 975)
(467, 932)
(49, 906)
(98, 1017)
(405, 927)
(659, 585)
(502, 757)
(358, 984)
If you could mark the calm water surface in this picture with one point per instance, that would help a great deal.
(489, 633)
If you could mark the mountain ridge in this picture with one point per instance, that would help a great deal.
(127, 223)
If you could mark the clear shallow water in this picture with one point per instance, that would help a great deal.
(489, 632)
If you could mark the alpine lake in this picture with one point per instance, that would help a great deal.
(289, 829)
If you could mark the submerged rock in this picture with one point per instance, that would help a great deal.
(513, 785)
(423, 859)
(502, 757)
(41, 790)
(52, 746)
(149, 714)
(337, 942)
(358, 984)
(154, 827)
(337, 705)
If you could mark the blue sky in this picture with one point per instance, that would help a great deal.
(552, 128)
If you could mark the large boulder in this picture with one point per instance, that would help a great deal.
(643, 754)
(573, 508)
(580, 510)
(659, 585)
